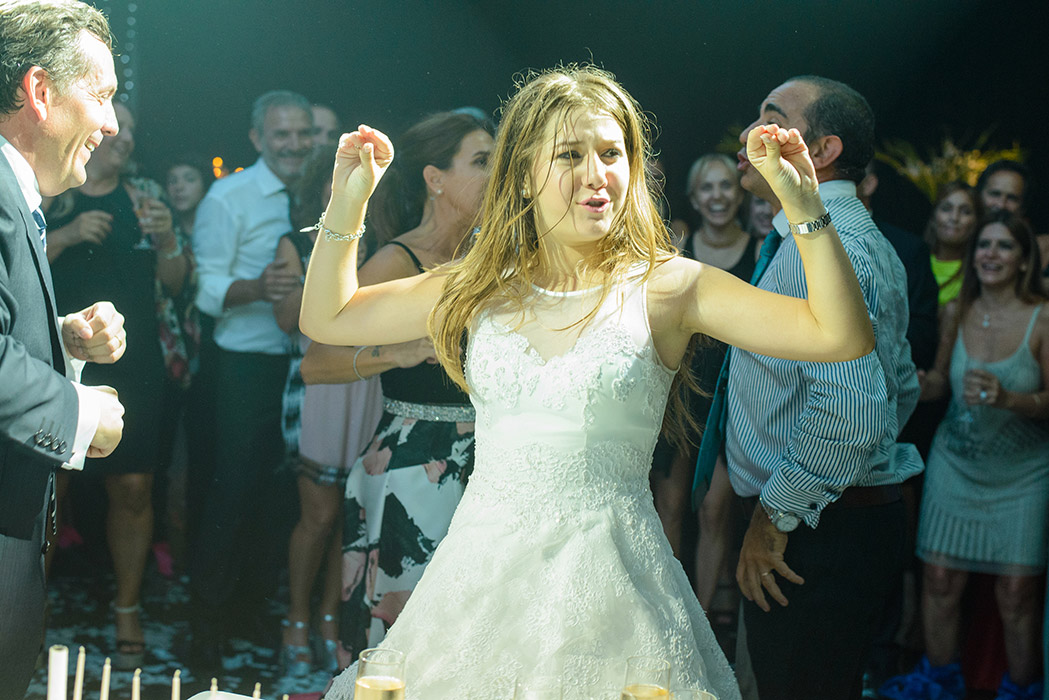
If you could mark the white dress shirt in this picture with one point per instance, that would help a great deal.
(88, 409)
(238, 226)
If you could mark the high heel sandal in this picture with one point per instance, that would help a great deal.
(294, 658)
(325, 651)
(130, 654)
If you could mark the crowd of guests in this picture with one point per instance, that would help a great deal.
(378, 443)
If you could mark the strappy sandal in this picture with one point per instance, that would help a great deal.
(324, 651)
(130, 653)
(294, 658)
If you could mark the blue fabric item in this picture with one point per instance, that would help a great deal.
(714, 431)
(41, 225)
(926, 682)
(1008, 690)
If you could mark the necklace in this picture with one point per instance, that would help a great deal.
(986, 322)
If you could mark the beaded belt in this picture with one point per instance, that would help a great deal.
(442, 413)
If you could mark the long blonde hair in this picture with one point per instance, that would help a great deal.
(506, 255)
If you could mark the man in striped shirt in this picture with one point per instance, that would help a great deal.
(812, 446)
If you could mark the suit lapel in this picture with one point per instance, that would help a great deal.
(43, 269)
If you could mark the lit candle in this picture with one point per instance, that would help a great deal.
(176, 685)
(104, 693)
(57, 672)
(257, 693)
(214, 688)
(78, 682)
(136, 685)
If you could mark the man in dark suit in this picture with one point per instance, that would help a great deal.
(57, 82)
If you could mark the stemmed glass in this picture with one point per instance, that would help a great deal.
(538, 688)
(646, 677)
(380, 675)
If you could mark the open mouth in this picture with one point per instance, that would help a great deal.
(743, 163)
(596, 204)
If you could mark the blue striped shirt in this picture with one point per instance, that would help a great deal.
(800, 433)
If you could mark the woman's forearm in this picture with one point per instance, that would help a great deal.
(329, 364)
(331, 279)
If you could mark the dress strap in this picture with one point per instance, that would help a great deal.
(1030, 327)
(418, 265)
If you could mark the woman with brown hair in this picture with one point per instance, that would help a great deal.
(951, 225)
(985, 506)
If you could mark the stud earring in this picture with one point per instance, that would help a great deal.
(524, 192)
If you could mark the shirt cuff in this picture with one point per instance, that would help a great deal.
(88, 413)
(211, 293)
(74, 367)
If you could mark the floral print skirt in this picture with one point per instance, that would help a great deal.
(400, 497)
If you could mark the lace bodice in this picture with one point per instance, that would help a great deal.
(598, 404)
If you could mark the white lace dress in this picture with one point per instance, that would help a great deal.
(555, 560)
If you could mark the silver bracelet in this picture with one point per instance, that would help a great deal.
(175, 253)
(330, 235)
(810, 226)
(355, 356)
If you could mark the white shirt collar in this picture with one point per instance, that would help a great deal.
(831, 189)
(23, 174)
(268, 181)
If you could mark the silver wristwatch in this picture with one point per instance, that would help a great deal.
(782, 520)
(810, 226)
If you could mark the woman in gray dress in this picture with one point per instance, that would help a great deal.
(986, 502)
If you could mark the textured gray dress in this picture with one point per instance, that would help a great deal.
(986, 501)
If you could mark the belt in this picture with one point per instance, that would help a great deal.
(852, 497)
(438, 413)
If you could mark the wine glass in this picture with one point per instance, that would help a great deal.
(142, 203)
(646, 677)
(538, 688)
(380, 675)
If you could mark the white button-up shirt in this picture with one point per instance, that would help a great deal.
(238, 226)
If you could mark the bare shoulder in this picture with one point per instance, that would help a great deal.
(670, 282)
(390, 262)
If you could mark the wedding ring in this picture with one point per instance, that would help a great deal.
(983, 396)
(767, 573)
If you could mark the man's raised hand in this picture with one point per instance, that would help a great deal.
(95, 334)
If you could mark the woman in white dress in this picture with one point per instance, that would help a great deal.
(576, 313)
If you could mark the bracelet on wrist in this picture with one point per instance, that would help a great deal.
(174, 253)
(330, 235)
(810, 226)
(355, 356)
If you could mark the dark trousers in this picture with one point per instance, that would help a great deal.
(816, 647)
(21, 609)
(236, 548)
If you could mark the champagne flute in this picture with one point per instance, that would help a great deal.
(380, 675)
(538, 688)
(646, 677)
(692, 694)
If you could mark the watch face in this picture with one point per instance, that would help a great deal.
(787, 522)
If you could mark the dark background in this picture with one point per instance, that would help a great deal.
(929, 68)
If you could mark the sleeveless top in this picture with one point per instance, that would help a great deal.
(424, 383)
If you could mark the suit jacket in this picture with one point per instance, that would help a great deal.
(922, 331)
(38, 404)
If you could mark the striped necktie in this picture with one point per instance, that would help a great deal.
(41, 225)
(714, 431)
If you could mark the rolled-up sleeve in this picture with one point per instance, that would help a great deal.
(844, 420)
(215, 247)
